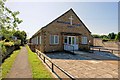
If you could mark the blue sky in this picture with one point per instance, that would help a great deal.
(99, 17)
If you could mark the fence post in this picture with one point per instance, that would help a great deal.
(39, 55)
(99, 49)
(52, 68)
(112, 51)
(73, 79)
(44, 59)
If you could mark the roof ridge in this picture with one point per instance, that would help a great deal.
(71, 9)
(53, 20)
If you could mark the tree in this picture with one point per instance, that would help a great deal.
(118, 37)
(96, 36)
(104, 37)
(21, 35)
(8, 21)
(111, 35)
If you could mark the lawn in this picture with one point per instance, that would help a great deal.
(7, 64)
(38, 69)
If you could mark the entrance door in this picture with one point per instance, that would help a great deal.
(70, 43)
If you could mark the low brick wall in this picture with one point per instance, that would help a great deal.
(99, 42)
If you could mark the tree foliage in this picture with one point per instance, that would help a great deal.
(118, 37)
(8, 21)
(21, 35)
(111, 36)
(96, 36)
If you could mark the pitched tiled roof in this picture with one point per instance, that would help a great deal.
(58, 18)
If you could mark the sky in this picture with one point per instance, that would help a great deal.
(99, 17)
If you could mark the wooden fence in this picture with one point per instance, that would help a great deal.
(53, 65)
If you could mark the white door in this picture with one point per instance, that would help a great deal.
(70, 43)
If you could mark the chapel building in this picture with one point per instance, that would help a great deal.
(66, 32)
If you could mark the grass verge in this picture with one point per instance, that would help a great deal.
(38, 69)
(7, 64)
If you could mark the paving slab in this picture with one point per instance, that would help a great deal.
(80, 66)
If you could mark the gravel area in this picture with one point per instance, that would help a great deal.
(80, 55)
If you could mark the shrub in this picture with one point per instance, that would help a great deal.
(8, 44)
(2, 47)
(18, 42)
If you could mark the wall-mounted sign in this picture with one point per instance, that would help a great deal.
(68, 23)
(70, 26)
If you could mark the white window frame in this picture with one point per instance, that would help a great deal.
(84, 40)
(40, 39)
(36, 39)
(54, 40)
(33, 40)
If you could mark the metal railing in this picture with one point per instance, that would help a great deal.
(68, 45)
(40, 54)
(72, 47)
(102, 49)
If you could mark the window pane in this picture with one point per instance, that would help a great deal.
(73, 40)
(56, 39)
(69, 40)
(40, 39)
(51, 39)
(37, 40)
(84, 40)
(33, 40)
(65, 40)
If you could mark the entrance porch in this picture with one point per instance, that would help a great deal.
(70, 41)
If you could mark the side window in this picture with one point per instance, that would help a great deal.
(65, 40)
(54, 39)
(40, 40)
(37, 40)
(84, 40)
(51, 39)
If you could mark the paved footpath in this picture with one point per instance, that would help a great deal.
(21, 68)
